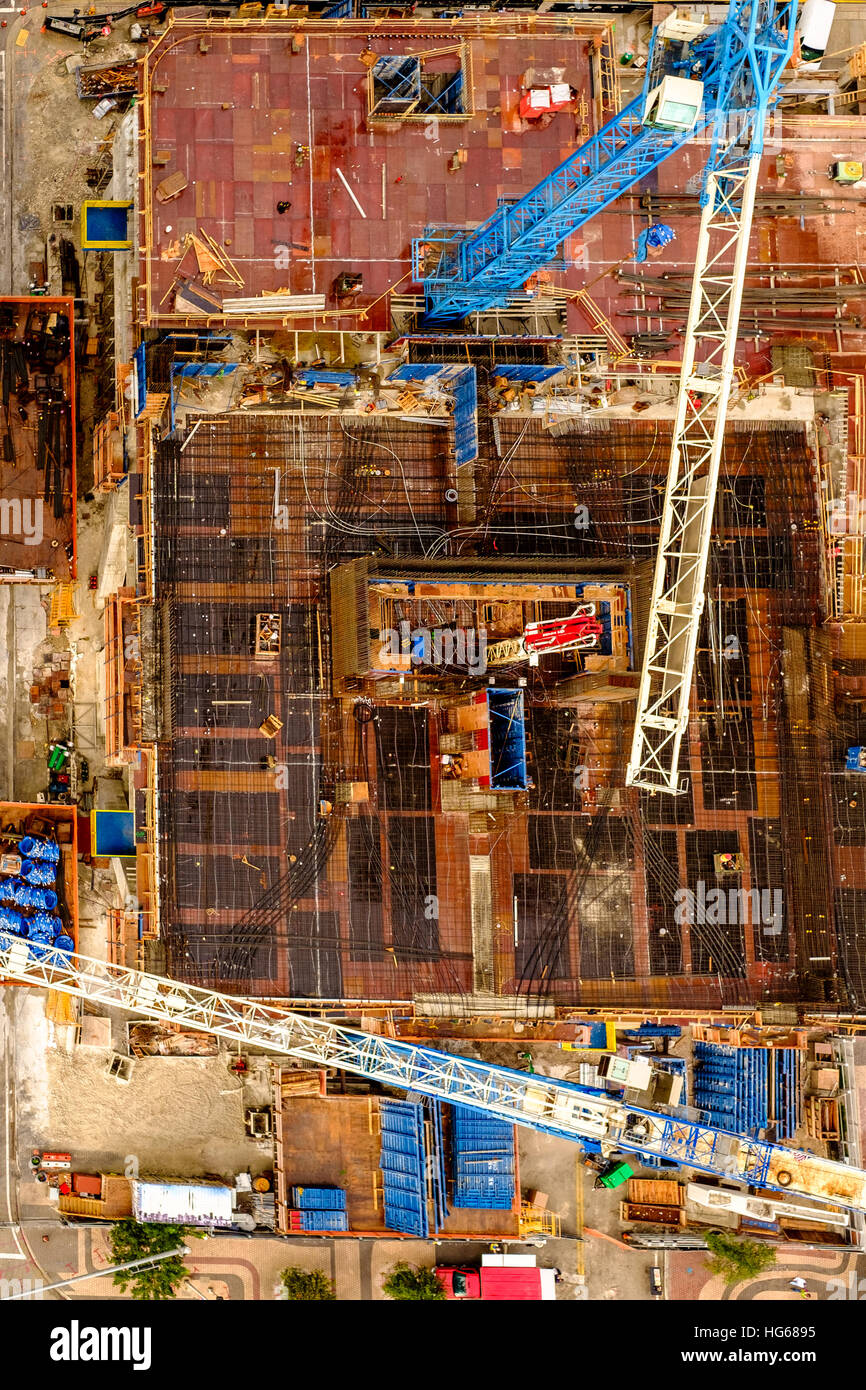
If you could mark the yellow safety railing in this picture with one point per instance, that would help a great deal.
(538, 1221)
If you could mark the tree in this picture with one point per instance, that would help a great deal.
(405, 1281)
(736, 1259)
(307, 1286)
(132, 1240)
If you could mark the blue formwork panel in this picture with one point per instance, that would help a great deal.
(403, 1164)
(788, 1091)
(313, 376)
(402, 1182)
(731, 1086)
(482, 1158)
(397, 1162)
(655, 1030)
(408, 1221)
(314, 1220)
(436, 1163)
(319, 1198)
(460, 382)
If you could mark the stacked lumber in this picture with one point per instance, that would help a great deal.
(657, 1201)
(274, 305)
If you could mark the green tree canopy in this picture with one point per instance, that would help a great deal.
(132, 1240)
(735, 1259)
(307, 1286)
(405, 1281)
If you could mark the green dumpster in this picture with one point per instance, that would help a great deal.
(615, 1176)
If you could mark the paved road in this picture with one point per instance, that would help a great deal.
(16, 1263)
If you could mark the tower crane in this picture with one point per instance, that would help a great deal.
(719, 79)
(559, 1108)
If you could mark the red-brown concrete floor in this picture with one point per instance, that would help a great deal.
(231, 120)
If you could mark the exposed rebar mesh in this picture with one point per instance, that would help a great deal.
(598, 894)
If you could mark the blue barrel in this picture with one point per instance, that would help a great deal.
(10, 920)
(38, 873)
(46, 922)
(43, 850)
(15, 891)
(64, 943)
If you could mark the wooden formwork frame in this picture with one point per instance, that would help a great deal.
(147, 852)
(119, 606)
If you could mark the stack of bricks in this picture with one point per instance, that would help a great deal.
(50, 692)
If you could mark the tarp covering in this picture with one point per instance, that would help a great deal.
(186, 1203)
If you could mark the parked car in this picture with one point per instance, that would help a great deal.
(656, 1281)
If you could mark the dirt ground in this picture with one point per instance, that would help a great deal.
(178, 1116)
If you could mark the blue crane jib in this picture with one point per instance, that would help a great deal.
(588, 1116)
(735, 69)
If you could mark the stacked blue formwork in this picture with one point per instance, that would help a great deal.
(715, 1084)
(436, 1163)
(319, 1220)
(482, 1157)
(403, 1165)
(535, 373)
(786, 1064)
(319, 1198)
(315, 376)
(318, 1209)
(731, 1086)
(459, 382)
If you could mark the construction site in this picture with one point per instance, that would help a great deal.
(434, 539)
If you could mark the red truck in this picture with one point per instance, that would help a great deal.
(501, 1277)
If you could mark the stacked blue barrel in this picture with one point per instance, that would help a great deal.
(29, 901)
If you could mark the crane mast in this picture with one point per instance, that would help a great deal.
(537, 1102)
(756, 51)
(678, 592)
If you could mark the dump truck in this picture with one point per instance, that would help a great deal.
(500, 1278)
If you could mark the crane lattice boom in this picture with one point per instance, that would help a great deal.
(554, 1107)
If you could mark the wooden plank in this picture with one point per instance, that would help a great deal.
(659, 1192)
